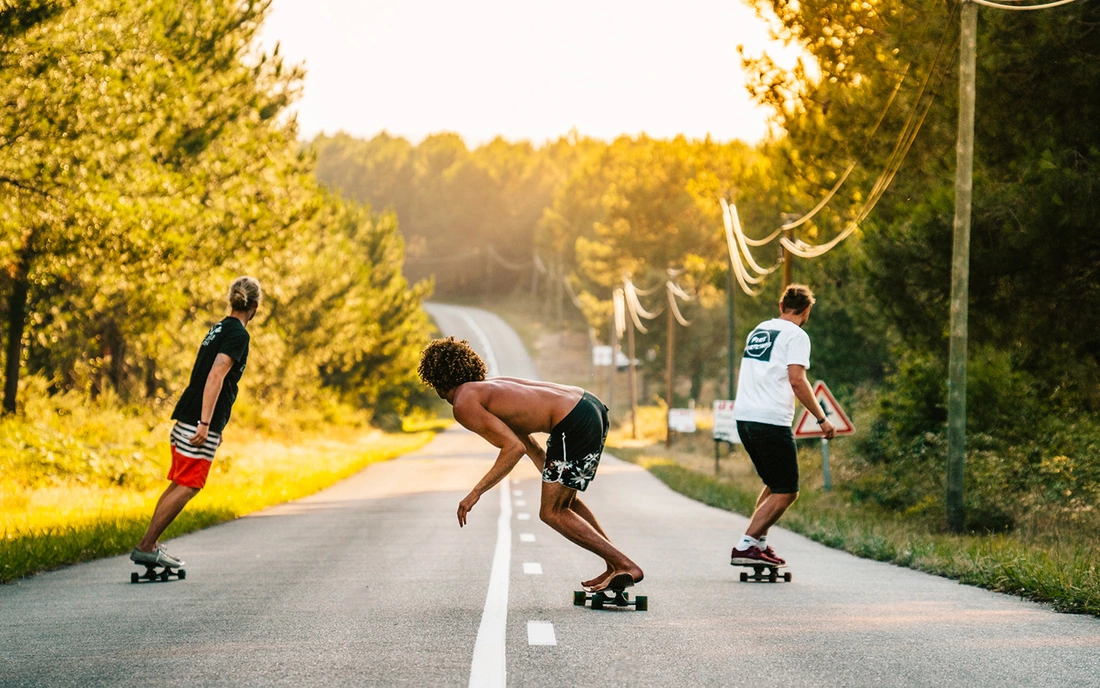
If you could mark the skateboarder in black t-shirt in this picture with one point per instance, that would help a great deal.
(201, 414)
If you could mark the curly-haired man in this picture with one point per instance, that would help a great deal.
(506, 411)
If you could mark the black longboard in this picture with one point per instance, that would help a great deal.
(764, 573)
(153, 575)
(610, 598)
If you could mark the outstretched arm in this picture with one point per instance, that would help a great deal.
(801, 386)
(473, 416)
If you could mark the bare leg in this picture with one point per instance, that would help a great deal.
(768, 512)
(169, 506)
(556, 513)
(764, 494)
(583, 511)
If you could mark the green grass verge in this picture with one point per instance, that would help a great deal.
(248, 478)
(1064, 573)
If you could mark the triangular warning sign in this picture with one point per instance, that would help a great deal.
(807, 424)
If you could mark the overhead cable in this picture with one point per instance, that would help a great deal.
(1000, 6)
(672, 305)
(732, 221)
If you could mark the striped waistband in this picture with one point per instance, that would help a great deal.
(181, 440)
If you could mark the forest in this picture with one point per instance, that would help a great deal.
(857, 183)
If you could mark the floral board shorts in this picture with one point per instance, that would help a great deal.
(575, 444)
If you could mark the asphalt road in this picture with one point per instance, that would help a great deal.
(372, 583)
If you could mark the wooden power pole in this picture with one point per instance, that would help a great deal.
(960, 271)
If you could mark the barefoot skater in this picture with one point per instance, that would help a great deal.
(506, 411)
(200, 415)
(773, 373)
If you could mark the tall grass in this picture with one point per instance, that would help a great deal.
(78, 480)
(1060, 567)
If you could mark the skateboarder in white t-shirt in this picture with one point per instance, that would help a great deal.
(773, 374)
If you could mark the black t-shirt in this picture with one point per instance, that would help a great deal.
(227, 337)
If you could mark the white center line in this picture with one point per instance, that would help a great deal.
(488, 667)
(523, 516)
(541, 633)
(518, 493)
(521, 502)
(526, 537)
(532, 568)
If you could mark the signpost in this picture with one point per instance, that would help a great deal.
(725, 427)
(807, 427)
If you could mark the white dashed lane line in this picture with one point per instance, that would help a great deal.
(541, 633)
(526, 537)
(521, 502)
(523, 516)
(518, 493)
(532, 568)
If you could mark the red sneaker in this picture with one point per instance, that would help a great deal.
(750, 556)
(768, 551)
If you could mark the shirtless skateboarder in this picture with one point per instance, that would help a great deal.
(505, 411)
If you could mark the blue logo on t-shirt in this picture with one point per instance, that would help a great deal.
(760, 344)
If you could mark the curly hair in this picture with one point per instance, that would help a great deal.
(447, 363)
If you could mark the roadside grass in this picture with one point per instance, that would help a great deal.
(80, 482)
(1061, 568)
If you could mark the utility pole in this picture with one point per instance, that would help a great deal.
(731, 335)
(960, 271)
(633, 380)
(669, 359)
(614, 360)
(784, 254)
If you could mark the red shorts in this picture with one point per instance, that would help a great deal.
(191, 464)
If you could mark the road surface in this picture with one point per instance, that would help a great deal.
(372, 583)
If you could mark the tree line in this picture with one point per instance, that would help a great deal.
(146, 158)
(871, 125)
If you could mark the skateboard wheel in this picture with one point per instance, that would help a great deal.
(134, 578)
(772, 577)
(578, 598)
(787, 576)
(744, 576)
(164, 575)
(597, 602)
(641, 603)
(183, 574)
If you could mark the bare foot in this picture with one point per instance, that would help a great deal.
(618, 580)
(598, 579)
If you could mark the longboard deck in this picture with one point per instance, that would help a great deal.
(610, 598)
(764, 573)
(152, 575)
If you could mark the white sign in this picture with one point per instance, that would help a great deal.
(807, 425)
(681, 420)
(602, 355)
(725, 425)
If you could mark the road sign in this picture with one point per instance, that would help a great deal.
(807, 424)
(725, 425)
(681, 420)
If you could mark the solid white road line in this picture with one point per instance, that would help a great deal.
(541, 633)
(488, 666)
(532, 568)
(523, 516)
(526, 537)
(491, 362)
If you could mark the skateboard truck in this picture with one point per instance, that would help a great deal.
(759, 575)
(152, 574)
(610, 598)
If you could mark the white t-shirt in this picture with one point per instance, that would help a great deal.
(764, 393)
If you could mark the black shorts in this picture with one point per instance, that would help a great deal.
(575, 444)
(772, 450)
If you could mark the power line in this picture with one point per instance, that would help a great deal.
(1000, 6)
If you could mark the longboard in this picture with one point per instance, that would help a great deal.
(758, 573)
(615, 598)
(152, 574)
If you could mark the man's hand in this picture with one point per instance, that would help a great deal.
(199, 438)
(465, 505)
(828, 428)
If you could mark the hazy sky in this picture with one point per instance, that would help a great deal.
(522, 69)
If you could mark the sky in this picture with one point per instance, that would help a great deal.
(523, 69)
